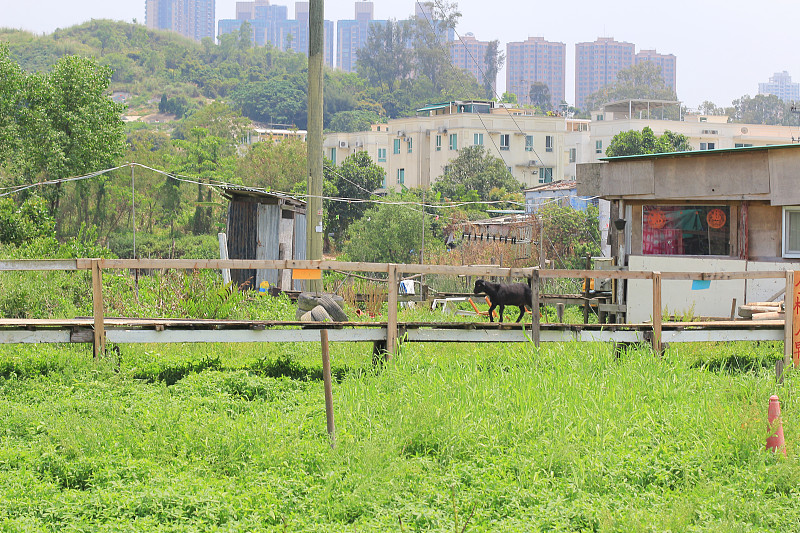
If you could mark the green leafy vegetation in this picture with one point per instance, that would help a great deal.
(633, 142)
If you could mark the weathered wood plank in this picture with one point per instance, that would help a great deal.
(38, 264)
(657, 312)
(97, 310)
(391, 335)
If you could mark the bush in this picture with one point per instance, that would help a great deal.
(153, 246)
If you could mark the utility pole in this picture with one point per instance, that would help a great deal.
(314, 230)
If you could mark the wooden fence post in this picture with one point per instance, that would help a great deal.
(97, 309)
(535, 315)
(328, 384)
(657, 312)
(391, 318)
(790, 353)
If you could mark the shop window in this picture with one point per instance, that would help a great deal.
(686, 230)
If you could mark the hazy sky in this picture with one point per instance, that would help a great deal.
(723, 49)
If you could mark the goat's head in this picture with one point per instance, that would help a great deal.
(480, 286)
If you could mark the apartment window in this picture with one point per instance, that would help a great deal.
(454, 141)
(333, 155)
(742, 145)
(438, 143)
(546, 175)
(548, 143)
(573, 155)
(381, 155)
(529, 143)
(401, 176)
(396, 146)
(383, 181)
(686, 230)
(505, 141)
(410, 142)
(707, 146)
(791, 232)
(598, 147)
(477, 139)
(599, 118)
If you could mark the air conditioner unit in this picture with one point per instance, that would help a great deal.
(343, 144)
(401, 133)
(533, 163)
(442, 129)
(359, 144)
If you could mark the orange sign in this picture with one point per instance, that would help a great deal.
(306, 273)
(716, 218)
(656, 219)
(795, 303)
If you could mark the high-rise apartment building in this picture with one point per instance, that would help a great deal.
(271, 24)
(597, 65)
(352, 35)
(536, 60)
(469, 53)
(667, 62)
(192, 18)
(780, 84)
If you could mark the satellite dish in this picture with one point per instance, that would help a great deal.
(744, 130)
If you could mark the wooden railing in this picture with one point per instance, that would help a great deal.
(395, 272)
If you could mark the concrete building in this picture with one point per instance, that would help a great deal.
(780, 84)
(705, 132)
(351, 35)
(702, 211)
(667, 62)
(415, 151)
(270, 24)
(597, 65)
(468, 53)
(536, 60)
(191, 18)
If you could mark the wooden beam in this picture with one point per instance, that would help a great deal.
(39, 264)
(536, 317)
(657, 312)
(328, 386)
(391, 315)
(97, 310)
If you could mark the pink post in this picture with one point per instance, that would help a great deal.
(775, 441)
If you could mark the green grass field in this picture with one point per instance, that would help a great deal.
(444, 438)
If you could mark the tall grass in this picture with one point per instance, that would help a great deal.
(567, 437)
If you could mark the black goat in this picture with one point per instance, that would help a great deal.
(503, 294)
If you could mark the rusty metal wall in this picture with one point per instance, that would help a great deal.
(267, 244)
(242, 238)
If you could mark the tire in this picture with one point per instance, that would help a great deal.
(309, 300)
(319, 314)
(333, 309)
(306, 317)
(298, 315)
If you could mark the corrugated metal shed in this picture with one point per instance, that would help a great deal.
(264, 225)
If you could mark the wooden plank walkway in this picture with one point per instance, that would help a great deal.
(177, 330)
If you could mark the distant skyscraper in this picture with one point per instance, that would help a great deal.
(667, 63)
(271, 24)
(597, 64)
(469, 53)
(352, 35)
(191, 18)
(780, 84)
(536, 60)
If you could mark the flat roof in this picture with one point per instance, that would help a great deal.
(637, 104)
(690, 153)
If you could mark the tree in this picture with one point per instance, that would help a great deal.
(278, 166)
(431, 49)
(508, 98)
(385, 60)
(493, 61)
(58, 124)
(277, 101)
(540, 96)
(388, 233)
(639, 81)
(350, 121)
(356, 178)
(476, 170)
(633, 142)
(762, 109)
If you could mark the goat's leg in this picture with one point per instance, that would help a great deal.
(502, 308)
(521, 312)
(491, 313)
